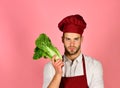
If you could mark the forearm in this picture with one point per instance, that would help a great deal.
(55, 83)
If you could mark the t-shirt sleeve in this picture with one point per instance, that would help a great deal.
(97, 76)
(48, 74)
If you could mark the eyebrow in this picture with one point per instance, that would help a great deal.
(77, 38)
(73, 38)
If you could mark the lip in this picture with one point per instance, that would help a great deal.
(71, 48)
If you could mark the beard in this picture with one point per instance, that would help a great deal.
(71, 50)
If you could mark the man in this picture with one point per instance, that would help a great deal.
(76, 70)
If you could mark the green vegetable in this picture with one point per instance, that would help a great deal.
(45, 48)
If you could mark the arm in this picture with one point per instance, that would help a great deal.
(53, 74)
(97, 79)
(55, 83)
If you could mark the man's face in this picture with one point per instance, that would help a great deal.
(72, 43)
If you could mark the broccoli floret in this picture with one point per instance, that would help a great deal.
(44, 48)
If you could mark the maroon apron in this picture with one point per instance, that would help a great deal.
(76, 81)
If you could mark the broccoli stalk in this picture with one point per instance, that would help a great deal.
(44, 48)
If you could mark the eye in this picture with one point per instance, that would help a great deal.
(67, 39)
(76, 39)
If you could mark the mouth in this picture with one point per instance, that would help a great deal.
(71, 48)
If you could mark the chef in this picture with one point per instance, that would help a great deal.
(75, 70)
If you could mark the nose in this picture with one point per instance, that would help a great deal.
(72, 43)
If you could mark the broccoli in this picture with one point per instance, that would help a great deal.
(45, 48)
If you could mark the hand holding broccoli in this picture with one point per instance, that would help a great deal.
(57, 65)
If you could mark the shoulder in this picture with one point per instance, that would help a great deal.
(48, 68)
(94, 71)
(93, 63)
(91, 60)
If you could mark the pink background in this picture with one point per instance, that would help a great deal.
(21, 21)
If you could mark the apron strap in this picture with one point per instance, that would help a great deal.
(84, 68)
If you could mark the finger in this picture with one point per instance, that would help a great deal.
(59, 63)
(53, 59)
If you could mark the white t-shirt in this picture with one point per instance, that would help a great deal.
(94, 71)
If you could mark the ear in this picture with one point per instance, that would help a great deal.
(82, 38)
(62, 39)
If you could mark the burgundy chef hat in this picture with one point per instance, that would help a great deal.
(72, 24)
